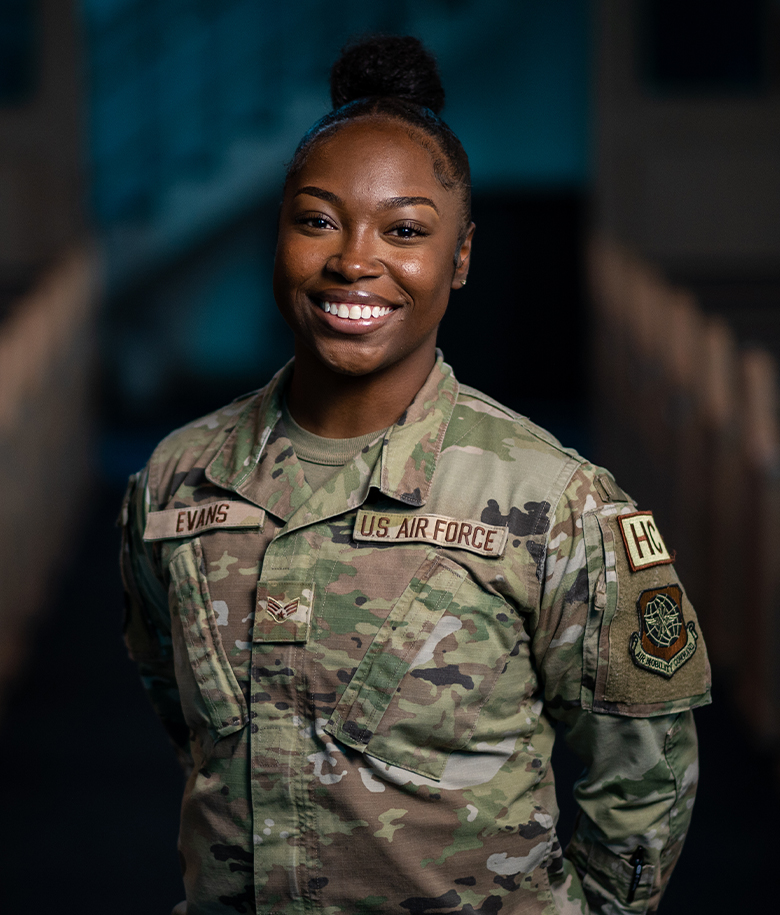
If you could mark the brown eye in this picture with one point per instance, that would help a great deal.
(314, 222)
(408, 230)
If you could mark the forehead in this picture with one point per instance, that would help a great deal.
(372, 156)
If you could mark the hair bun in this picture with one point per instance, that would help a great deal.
(387, 66)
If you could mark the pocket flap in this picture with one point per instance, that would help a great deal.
(210, 666)
(393, 650)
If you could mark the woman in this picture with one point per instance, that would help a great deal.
(361, 596)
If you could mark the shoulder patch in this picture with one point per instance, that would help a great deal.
(645, 547)
(643, 649)
(665, 642)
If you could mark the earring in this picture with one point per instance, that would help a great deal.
(462, 282)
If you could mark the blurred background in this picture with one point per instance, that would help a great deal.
(624, 293)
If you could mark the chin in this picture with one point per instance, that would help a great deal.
(352, 369)
(350, 364)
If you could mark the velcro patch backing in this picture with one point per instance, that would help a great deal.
(389, 527)
(643, 644)
(175, 523)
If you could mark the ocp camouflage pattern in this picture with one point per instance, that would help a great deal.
(367, 723)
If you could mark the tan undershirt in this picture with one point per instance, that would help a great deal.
(323, 457)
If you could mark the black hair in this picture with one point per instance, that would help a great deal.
(394, 77)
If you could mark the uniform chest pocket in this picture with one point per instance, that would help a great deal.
(210, 693)
(417, 693)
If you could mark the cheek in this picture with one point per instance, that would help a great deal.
(293, 264)
(422, 275)
(430, 282)
(290, 276)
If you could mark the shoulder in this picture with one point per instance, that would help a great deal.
(501, 429)
(185, 453)
(507, 446)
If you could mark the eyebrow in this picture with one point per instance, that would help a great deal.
(396, 202)
(392, 203)
(313, 191)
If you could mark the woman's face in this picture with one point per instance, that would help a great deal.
(368, 252)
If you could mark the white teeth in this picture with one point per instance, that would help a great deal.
(355, 312)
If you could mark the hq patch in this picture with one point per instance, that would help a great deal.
(644, 545)
(665, 641)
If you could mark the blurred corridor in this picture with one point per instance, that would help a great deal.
(626, 170)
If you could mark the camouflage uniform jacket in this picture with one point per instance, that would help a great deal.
(364, 679)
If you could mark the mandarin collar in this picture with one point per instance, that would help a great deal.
(257, 460)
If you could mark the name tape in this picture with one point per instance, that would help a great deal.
(644, 545)
(187, 522)
(386, 527)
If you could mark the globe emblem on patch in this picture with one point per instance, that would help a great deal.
(665, 642)
(663, 621)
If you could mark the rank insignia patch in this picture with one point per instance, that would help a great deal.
(280, 611)
(644, 545)
(665, 642)
(283, 611)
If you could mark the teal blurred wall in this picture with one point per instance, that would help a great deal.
(195, 105)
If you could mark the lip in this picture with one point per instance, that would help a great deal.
(353, 297)
(349, 297)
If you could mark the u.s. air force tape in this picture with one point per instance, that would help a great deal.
(388, 527)
(188, 522)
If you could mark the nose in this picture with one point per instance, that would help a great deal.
(356, 257)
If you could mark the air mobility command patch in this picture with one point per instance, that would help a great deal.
(665, 642)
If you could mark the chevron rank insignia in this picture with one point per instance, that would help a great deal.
(282, 612)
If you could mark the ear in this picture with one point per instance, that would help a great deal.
(463, 259)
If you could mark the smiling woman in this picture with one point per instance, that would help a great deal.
(365, 227)
(361, 597)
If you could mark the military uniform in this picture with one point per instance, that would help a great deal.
(363, 681)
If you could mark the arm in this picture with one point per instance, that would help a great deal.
(631, 727)
(147, 628)
(637, 792)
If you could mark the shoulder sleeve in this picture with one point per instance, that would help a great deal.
(147, 629)
(621, 662)
(616, 632)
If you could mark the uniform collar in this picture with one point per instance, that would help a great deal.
(258, 462)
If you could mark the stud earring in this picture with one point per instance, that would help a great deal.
(462, 282)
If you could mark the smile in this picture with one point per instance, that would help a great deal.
(355, 312)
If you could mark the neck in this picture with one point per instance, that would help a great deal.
(345, 406)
